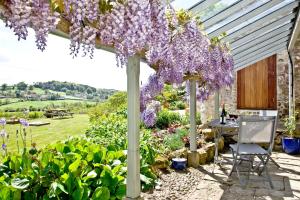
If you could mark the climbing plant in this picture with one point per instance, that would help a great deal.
(172, 42)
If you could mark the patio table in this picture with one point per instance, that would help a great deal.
(219, 132)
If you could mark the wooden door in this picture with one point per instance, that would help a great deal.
(256, 85)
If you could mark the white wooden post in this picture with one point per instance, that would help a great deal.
(193, 144)
(217, 104)
(133, 189)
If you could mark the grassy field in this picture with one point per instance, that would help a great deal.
(41, 104)
(59, 129)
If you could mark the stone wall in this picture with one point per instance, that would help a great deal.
(296, 61)
(229, 95)
(282, 84)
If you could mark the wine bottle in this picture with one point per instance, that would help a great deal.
(223, 115)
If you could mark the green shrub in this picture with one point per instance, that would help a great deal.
(198, 119)
(109, 129)
(174, 141)
(185, 120)
(35, 115)
(165, 118)
(8, 115)
(114, 104)
(180, 105)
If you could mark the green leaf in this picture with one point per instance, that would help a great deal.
(4, 193)
(101, 193)
(77, 195)
(20, 184)
(121, 191)
(74, 166)
(145, 179)
(53, 191)
(62, 188)
(29, 196)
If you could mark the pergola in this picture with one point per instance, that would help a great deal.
(255, 30)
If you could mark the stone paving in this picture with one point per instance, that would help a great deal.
(202, 184)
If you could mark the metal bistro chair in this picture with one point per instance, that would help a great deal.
(253, 130)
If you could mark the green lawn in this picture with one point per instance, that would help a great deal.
(41, 104)
(59, 129)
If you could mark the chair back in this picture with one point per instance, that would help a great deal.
(270, 113)
(256, 129)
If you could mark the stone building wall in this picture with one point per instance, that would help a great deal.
(229, 95)
(282, 84)
(296, 61)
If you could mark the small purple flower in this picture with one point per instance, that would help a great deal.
(2, 121)
(3, 133)
(4, 146)
(24, 122)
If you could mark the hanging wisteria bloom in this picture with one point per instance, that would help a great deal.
(149, 117)
(43, 21)
(172, 42)
(24, 122)
(22, 14)
(2, 122)
(188, 52)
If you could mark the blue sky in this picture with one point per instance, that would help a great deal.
(21, 61)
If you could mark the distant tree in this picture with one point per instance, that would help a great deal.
(18, 94)
(22, 86)
(31, 87)
(3, 86)
(89, 91)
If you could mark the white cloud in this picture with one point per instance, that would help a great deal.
(21, 61)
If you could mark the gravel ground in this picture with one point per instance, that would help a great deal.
(176, 185)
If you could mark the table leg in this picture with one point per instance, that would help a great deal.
(216, 145)
(217, 137)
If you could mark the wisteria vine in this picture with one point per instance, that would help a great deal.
(171, 41)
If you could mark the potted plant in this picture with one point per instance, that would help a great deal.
(290, 143)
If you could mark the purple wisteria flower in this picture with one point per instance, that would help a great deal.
(24, 122)
(2, 121)
(3, 133)
(149, 117)
(4, 146)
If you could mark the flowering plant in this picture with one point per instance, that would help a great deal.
(172, 42)
(4, 135)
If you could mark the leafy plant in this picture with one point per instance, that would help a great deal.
(290, 124)
(115, 103)
(175, 141)
(180, 105)
(75, 169)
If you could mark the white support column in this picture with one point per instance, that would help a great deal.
(217, 104)
(133, 189)
(193, 110)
